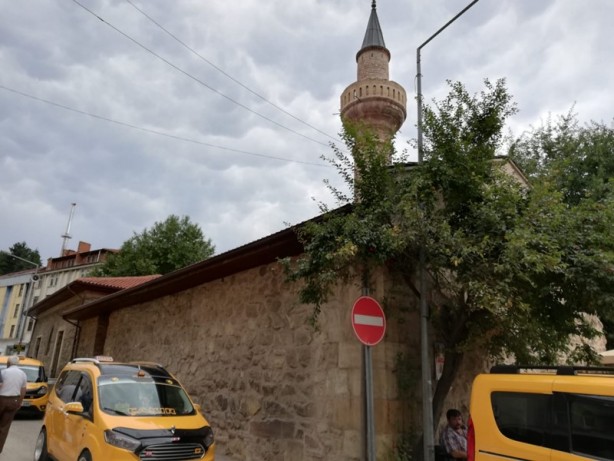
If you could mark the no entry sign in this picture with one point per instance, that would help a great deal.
(368, 320)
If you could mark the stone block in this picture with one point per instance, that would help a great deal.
(314, 447)
(346, 413)
(350, 355)
(352, 444)
(272, 429)
(251, 406)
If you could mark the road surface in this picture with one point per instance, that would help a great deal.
(22, 439)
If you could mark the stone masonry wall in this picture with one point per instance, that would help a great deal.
(272, 387)
(53, 338)
(373, 64)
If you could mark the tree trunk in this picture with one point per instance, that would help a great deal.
(451, 365)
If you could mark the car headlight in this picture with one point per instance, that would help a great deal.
(208, 440)
(121, 441)
(41, 391)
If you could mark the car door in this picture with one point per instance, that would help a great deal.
(63, 393)
(77, 426)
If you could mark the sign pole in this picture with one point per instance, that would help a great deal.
(369, 324)
(368, 359)
(369, 403)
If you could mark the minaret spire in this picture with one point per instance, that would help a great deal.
(373, 99)
(374, 35)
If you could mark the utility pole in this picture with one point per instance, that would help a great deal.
(428, 438)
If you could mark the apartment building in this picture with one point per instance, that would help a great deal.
(20, 290)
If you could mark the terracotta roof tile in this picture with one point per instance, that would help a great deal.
(119, 283)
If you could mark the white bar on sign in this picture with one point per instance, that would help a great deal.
(368, 320)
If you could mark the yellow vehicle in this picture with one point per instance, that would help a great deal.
(101, 410)
(542, 413)
(37, 393)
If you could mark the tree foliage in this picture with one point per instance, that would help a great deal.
(578, 162)
(10, 263)
(512, 268)
(167, 246)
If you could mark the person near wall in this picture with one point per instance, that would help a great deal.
(12, 392)
(454, 435)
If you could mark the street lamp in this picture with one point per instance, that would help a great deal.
(428, 438)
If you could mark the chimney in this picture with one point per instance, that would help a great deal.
(84, 247)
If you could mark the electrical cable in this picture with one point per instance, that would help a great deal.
(159, 133)
(185, 45)
(197, 79)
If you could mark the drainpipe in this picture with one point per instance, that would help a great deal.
(75, 341)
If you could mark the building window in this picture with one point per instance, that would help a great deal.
(20, 290)
(16, 311)
(30, 323)
(12, 331)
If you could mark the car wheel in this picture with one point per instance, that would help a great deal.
(85, 456)
(40, 450)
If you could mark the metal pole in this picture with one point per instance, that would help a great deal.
(369, 412)
(427, 388)
(369, 403)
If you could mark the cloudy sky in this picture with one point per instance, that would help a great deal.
(221, 110)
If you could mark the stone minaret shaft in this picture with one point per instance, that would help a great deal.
(374, 100)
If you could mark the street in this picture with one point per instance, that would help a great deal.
(22, 438)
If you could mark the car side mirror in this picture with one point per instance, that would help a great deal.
(197, 407)
(73, 407)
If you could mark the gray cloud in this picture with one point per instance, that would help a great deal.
(297, 54)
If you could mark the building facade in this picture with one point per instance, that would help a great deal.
(15, 293)
(21, 290)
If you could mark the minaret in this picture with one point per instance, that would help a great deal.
(373, 99)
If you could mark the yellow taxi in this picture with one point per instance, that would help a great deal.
(542, 413)
(101, 410)
(37, 392)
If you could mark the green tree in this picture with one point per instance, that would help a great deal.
(10, 263)
(511, 269)
(167, 246)
(579, 162)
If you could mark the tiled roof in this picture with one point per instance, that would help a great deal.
(119, 283)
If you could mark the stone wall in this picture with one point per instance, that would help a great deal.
(271, 385)
(52, 340)
(373, 64)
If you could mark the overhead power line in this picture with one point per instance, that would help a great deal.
(196, 79)
(185, 45)
(156, 132)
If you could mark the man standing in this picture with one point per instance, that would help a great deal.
(454, 435)
(12, 391)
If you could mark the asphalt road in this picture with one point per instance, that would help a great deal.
(20, 443)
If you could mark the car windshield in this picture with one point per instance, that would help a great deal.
(32, 372)
(137, 396)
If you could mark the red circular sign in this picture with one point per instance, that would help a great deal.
(368, 321)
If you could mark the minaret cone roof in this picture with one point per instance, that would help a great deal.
(373, 36)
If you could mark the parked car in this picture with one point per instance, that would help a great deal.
(37, 392)
(102, 410)
(542, 413)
